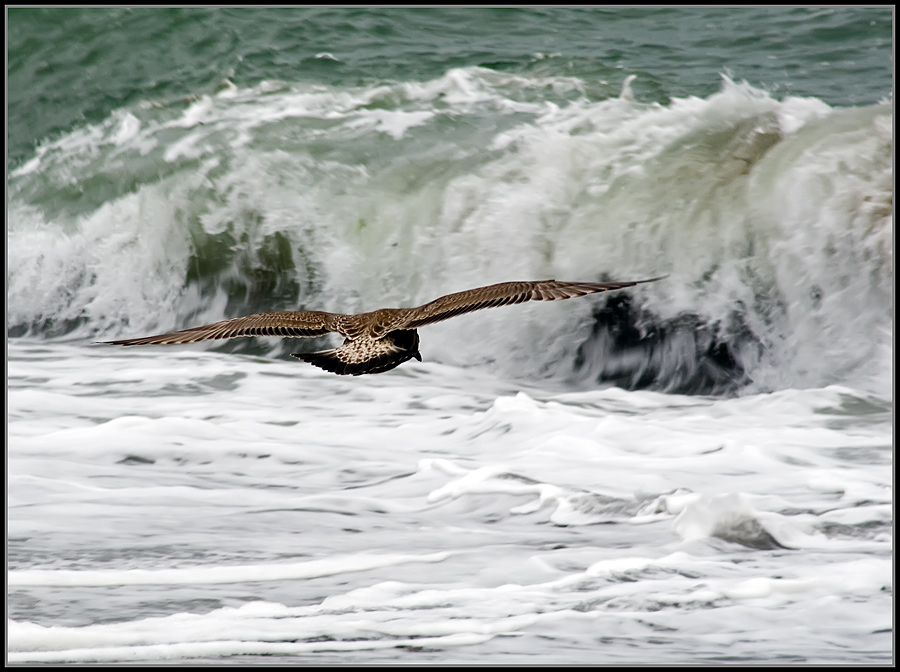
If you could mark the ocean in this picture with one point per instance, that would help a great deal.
(696, 470)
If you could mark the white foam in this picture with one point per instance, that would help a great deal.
(773, 217)
(186, 506)
(202, 575)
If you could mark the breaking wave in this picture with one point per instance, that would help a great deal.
(773, 219)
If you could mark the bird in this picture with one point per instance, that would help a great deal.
(382, 339)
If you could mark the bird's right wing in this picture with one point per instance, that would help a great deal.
(505, 293)
(287, 324)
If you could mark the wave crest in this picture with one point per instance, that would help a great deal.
(773, 218)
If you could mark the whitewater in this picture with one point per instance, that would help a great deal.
(698, 470)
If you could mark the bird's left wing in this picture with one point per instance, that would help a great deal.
(287, 324)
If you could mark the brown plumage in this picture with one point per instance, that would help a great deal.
(382, 339)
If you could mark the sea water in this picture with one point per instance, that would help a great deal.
(694, 470)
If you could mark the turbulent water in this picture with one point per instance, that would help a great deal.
(694, 470)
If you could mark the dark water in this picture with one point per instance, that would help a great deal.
(68, 67)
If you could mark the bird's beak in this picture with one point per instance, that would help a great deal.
(418, 356)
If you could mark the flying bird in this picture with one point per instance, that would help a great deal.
(382, 339)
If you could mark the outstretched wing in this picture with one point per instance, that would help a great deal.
(288, 324)
(506, 293)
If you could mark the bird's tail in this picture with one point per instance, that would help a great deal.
(333, 361)
(325, 359)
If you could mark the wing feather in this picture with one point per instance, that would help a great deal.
(311, 323)
(505, 293)
(287, 324)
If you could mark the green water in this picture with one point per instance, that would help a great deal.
(71, 67)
